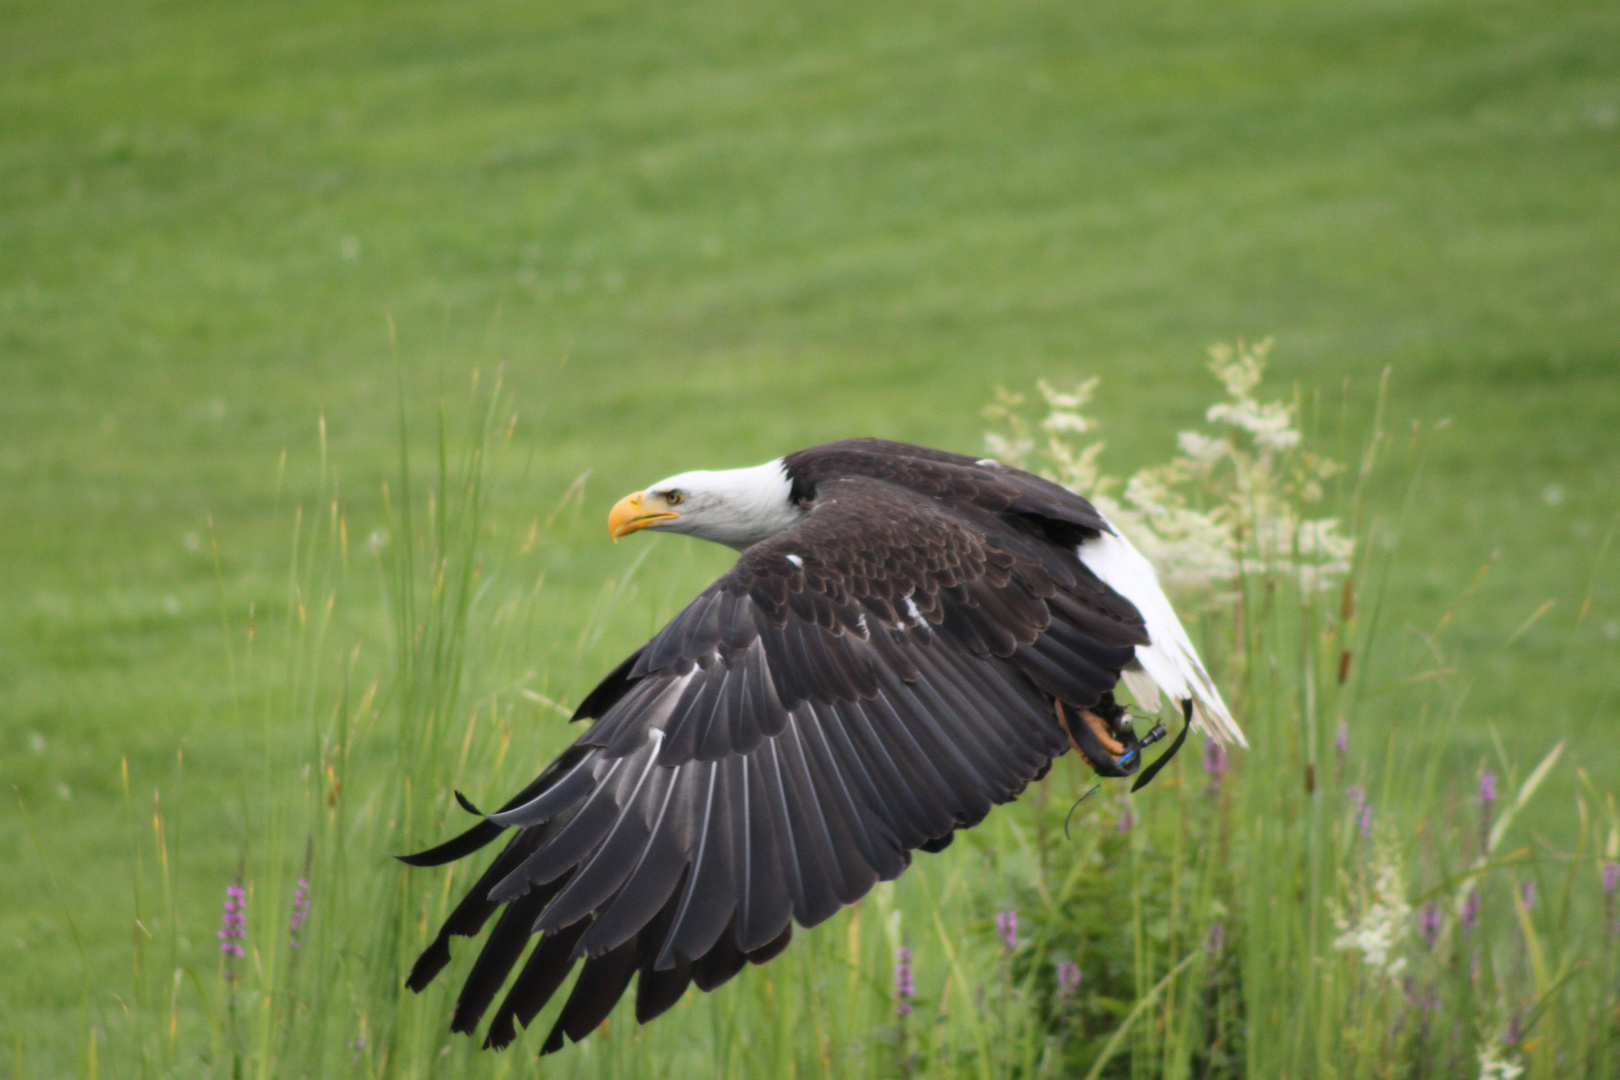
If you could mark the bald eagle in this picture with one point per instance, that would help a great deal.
(908, 638)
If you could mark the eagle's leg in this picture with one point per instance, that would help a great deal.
(1099, 727)
(1103, 737)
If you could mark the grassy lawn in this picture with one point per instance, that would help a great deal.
(708, 233)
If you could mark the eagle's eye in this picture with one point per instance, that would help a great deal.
(674, 496)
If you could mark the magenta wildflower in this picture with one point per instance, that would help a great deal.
(1515, 1030)
(300, 912)
(1126, 818)
(1341, 738)
(1068, 977)
(904, 988)
(233, 924)
(1427, 999)
(1007, 928)
(1429, 923)
(1611, 881)
(1527, 895)
(1357, 798)
(1470, 911)
(1216, 941)
(1487, 796)
(1214, 763)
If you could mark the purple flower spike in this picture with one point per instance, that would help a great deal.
(1487, 796)
(1357, 798)
(1429, 923)
(233, 923)
(1126, 818)
(1470, 911)
(1527, 895)
(1611, 882)
(1341, 740)
(1216, 940)
(904, 988)
(1068, 977)
(1007, 929)
(1427, 999)
(300, 912)
(1214, 763)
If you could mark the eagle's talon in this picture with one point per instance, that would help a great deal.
(1100, 728)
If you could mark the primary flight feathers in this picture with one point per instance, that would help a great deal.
(907, 639)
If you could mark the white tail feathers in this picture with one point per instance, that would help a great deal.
(1169, 663)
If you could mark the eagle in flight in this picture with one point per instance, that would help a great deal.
(908, 638)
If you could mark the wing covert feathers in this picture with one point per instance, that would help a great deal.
(860, 686)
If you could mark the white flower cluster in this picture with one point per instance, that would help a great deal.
(1231, 502)
(1493, 1066)
(1384, 920)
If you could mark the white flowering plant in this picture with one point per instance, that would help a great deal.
(1234, 500)
(1314, 884)
(1380, 918)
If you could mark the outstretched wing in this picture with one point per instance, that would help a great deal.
(857, 687)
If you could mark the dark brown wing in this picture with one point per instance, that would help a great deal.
(857, 687)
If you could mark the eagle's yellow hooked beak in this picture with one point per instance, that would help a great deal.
(637, 511)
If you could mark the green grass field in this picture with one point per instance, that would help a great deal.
(702, 235)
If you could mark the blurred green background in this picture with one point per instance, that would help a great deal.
(703, 234)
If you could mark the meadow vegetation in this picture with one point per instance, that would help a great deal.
(1323, 903)
(239, 244)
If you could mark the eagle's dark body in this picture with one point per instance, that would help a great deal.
(857, 686)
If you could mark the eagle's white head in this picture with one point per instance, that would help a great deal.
(735, 507)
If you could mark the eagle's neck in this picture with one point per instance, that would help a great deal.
(752, 504)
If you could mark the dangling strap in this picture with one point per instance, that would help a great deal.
(1164, 759)
(1075, 807)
